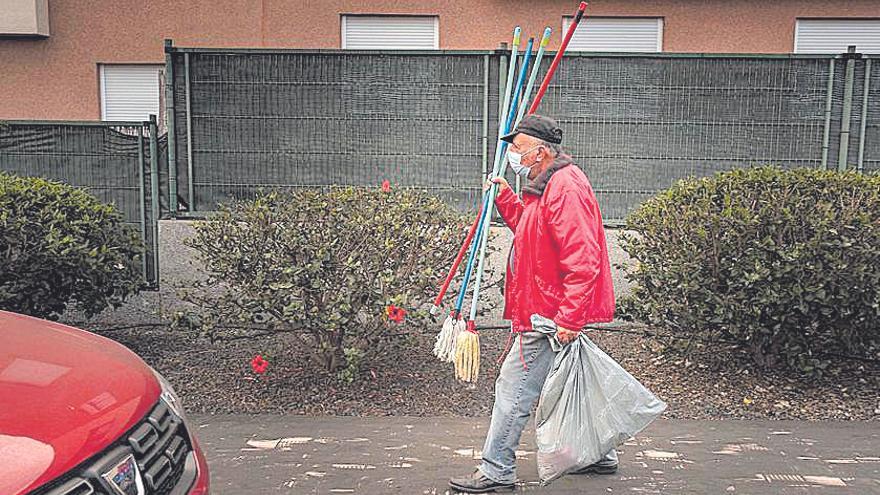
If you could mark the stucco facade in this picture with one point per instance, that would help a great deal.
(57, 77)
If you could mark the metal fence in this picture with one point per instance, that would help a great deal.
(242, 120)
(868, 152)
(637, 124)
(118, 162)
(245, 120)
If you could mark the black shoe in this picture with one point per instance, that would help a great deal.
(479, 483)
(597, 468)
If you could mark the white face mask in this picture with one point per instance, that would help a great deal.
(515, 160)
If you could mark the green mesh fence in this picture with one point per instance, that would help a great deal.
(112, 161)
(246, 120)
(869, 144)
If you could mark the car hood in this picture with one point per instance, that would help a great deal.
(65, 395)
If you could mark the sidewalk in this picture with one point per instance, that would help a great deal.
(292, 454)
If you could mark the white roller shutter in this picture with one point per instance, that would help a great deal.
(374, 32)
(835, 35)
(129, 92)
(616, 34)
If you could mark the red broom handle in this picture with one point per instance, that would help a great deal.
(568, 34)
(457, 262)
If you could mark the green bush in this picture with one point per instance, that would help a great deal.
(60, 247)
(786, 263)
(324, 267)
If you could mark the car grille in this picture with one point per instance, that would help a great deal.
(160, 445)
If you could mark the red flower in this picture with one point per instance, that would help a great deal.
(395, 314)
(259, 365)
(386, 186)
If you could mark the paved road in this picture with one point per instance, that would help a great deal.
(299, 455)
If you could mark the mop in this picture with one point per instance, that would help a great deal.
(467, 345)
(444, 347)
(453, 326)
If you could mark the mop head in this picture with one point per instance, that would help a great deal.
(444, 344)
(444, 347)
(467, 355)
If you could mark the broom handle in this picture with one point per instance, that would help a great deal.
(532, 109)
(467, 242)
(538, 97)
(486, 215)
(499, 151)
(493, 192)
(545, 40)
(508, 89)
(455, 264)
(568, 34)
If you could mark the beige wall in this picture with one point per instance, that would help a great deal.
(57, 78)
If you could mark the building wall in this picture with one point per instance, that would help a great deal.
(57, 77)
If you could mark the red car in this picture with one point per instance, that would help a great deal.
(82, 415)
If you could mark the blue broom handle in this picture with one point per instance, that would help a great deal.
(508, 88)
(499, 153)
(500, 157)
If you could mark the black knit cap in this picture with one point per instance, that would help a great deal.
(543, 128)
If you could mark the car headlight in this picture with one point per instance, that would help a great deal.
(170, 397)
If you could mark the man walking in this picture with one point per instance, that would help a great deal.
(558, 268)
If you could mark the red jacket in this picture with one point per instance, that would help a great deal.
(558, 266)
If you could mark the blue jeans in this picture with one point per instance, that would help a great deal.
(516, 391)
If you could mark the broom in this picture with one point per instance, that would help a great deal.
(470, 339)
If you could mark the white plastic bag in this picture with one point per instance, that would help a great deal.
(589, 405)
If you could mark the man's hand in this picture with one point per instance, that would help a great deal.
(501, 181)
(565, 335)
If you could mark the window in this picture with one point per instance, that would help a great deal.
(835, 35)
(616, 34)
(24, 18)
(399, 32)
(130, 92)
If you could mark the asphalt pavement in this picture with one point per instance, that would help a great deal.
(338, 455)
